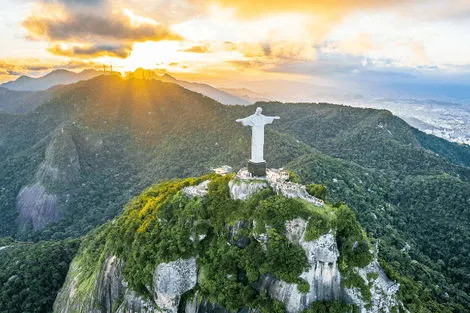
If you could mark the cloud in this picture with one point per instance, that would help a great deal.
(264, 65)
(332, 8)
(197, 49)
(75, 2)
(15, 69)
(275, 50)
(92, 28)
(12, 69)
(83, 27)
(92, 51)
(165, 11)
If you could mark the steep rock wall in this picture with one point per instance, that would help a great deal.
(36, 207)
(37, 203)
(322, 276)
(171, 280)
(108, 292)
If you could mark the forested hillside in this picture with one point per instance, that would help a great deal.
(32, 273)
(213, 243)
(83, 153)
(14, 102)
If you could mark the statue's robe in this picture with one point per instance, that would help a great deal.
(257, 123)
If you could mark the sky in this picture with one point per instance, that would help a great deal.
(363, 45)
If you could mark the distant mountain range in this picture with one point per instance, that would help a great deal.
(222, 96)
(246, 94)
(65, 77)
(56, 77)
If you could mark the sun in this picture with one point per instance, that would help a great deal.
(148, 55)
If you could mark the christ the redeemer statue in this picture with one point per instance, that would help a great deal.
(257, 164)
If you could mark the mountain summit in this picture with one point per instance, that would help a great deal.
(228, 244)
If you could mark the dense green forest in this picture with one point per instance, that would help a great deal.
(32, 273)
(410, 191)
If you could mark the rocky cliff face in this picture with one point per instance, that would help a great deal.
(61, 164)
(183, 285)
(36, 207)
(244, 185)
(383, 290)
(37, 202)
(171, 281)
(109, 292)
(322, 275)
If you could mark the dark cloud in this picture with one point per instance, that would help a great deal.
(37, 67)
(121, 51)
(266, 48)
(197, 49)
(84, 27)
(11, 73)
(252, 64)
(18, 69)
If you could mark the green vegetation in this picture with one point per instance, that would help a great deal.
(406, 211)
(406, 187)
(156, 226)
(331, 307)
(317, 190)
(293, 177)
(32, 273)
(319, 223)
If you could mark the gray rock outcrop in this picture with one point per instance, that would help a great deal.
(106, 289)
(171, 280)
(322, 276)
(244, 185)
(242, 189)
(383, 290)
(111, 286)
(280, 184)
(61, 164)
(37, 203)
(37, 208)
(234, 236)
(197, 191)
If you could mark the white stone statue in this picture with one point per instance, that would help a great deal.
(257, 122)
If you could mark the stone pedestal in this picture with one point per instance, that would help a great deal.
(257, 169)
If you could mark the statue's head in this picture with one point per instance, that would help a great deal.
(258, 110)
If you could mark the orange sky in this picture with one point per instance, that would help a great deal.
(287, 39)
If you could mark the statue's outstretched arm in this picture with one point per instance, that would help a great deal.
(270, 119)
